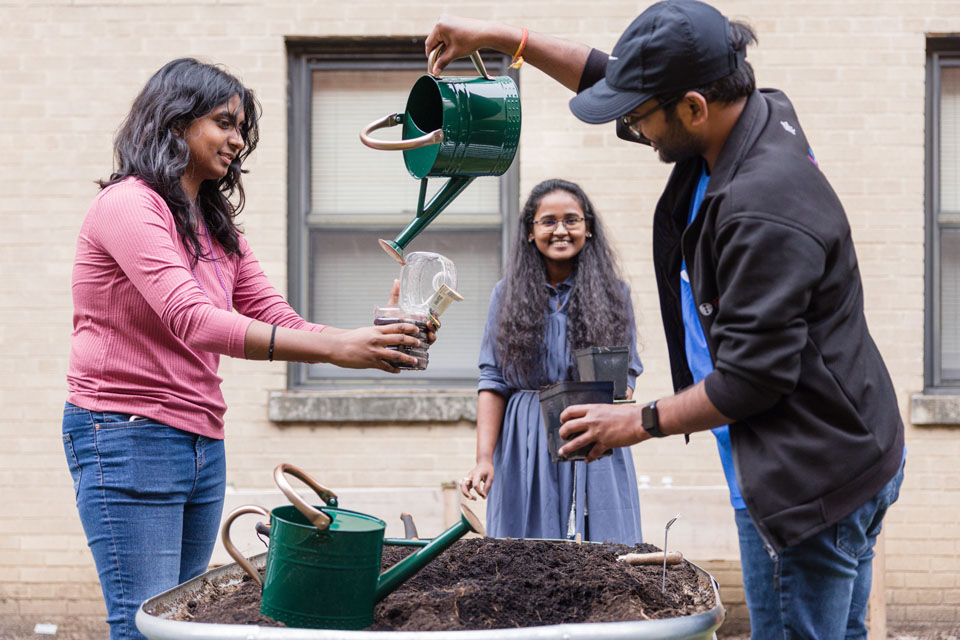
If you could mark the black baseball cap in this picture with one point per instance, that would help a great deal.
(672, 46)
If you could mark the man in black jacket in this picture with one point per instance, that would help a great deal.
(762, 305)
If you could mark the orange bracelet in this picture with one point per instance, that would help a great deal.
(518, 56)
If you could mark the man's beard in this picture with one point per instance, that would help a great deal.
(678, 144)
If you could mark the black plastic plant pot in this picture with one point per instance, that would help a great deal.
(554, 399)
(605, 363)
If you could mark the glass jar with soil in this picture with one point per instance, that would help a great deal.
(393, 315)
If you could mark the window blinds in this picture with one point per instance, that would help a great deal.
(360, 194)
(352, 183)
(949, 185)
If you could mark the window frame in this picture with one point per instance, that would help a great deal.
(942, 52)
(304, 56)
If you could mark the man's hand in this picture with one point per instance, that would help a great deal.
(560, 59)
(459, 38)
(606, 425)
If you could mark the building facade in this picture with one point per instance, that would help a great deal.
(875, 84)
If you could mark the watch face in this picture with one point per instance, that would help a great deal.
(649, 416)
(650, 420)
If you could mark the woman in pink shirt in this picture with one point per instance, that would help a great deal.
(163, 284)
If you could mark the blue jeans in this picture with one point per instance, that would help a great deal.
(819, 588)
(150, 498)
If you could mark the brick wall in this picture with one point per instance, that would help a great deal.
(69, 70)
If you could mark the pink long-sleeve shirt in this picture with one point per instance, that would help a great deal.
(148, 329)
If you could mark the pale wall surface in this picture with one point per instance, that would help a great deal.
(69, 70)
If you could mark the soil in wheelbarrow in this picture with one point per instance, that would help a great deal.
(486, 583)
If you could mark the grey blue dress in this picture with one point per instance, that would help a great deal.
(531, 496)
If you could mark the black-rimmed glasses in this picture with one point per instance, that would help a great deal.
(632, 122)
(568, 222)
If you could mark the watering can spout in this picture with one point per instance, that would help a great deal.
(425, 214)
(393, 250)
(405, 569)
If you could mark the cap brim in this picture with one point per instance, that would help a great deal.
(601, 103)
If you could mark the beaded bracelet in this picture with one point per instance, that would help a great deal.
(273, 334)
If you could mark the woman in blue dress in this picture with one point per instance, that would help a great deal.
(561, 292)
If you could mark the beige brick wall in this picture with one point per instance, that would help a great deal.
(69, 70)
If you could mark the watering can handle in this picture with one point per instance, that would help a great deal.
(434, 137)
(228, 544)
(318, 518)
(474, 57)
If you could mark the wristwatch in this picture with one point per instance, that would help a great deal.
(650, 419)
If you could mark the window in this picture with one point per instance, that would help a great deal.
(343, 196)
(943, 213)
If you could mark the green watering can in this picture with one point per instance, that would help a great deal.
(456, 127)
(323, 564)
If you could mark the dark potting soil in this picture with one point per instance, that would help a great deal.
(486, 583)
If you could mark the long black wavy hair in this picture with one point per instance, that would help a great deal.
(150, 146)
(598, 312)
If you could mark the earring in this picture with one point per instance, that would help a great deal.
(530, 238)
(589, 235)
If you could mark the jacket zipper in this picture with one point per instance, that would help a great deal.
(768, 547)
(774, 556)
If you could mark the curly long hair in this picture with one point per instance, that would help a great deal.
(599, 309)
(149, 145)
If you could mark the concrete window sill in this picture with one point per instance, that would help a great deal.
(935, 409)
(366, 405)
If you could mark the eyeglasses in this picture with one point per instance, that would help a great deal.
(632, 122)
(569, 222)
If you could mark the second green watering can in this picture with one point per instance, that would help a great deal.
(456, 127)
(323, 564)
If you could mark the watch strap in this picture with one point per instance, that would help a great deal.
(650, 419)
